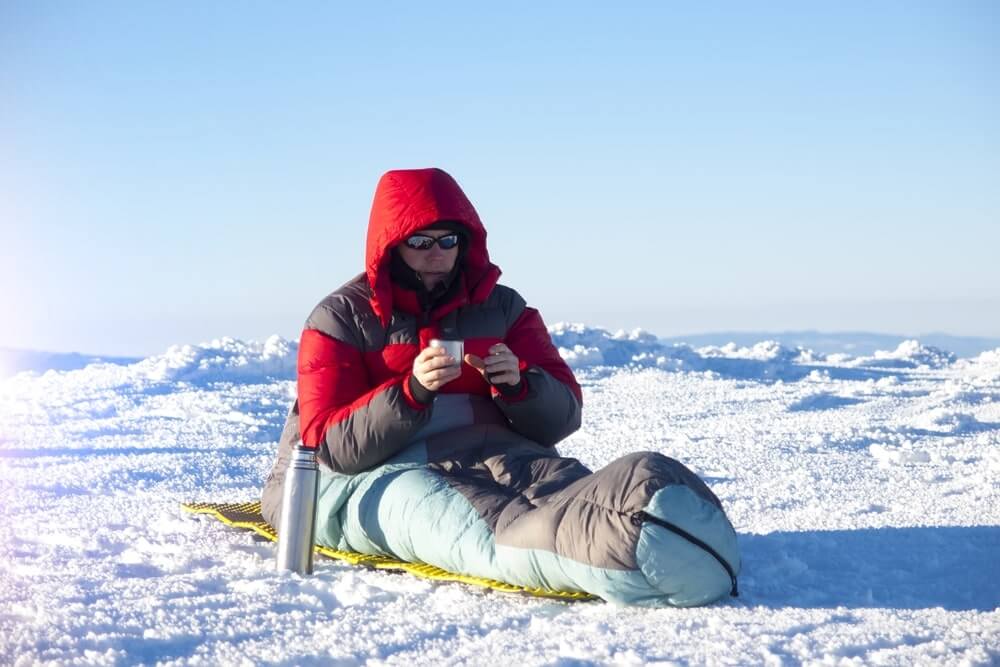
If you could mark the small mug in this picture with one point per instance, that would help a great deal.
(454, 348)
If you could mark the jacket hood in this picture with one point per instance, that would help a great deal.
(408, 200)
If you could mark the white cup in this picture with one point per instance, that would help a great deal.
(454, 348)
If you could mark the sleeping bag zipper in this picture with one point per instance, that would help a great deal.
(639, 517)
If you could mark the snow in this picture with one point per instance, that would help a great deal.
(909, 354)
(866, 491)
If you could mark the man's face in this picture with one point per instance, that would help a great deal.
(434, 264)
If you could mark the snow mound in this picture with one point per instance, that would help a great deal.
(909, 354)
(989, 358)
(224, 359)
(768, 350)
(590, 347)
(14, 361)
(983, 369)
(582, 346)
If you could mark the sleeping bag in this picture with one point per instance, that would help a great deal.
(468, 478)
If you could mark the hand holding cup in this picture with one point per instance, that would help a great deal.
(500, 366)
(438, 364)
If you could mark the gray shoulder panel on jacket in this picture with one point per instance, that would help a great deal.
(346, 315)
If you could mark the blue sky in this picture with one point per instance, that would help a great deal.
(176, 172)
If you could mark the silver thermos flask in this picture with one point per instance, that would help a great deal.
(297, 529)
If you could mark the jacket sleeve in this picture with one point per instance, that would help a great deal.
(359, 425)
(548, 407)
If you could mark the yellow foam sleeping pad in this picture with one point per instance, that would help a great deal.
(247, 516)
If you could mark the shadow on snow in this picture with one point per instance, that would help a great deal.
(952, 567)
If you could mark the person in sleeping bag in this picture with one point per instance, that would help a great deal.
(434, 455)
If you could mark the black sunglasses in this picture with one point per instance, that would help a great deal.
(424, 242)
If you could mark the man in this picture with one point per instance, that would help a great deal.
(451, 461)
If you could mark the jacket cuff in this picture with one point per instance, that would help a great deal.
(417, 395)
(511, 393)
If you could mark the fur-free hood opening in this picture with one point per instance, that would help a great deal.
(408, 200)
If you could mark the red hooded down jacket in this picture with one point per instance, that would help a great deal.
(359, 343)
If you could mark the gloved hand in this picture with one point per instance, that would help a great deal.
(500, 367)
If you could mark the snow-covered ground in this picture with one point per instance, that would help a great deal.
(866, 491)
